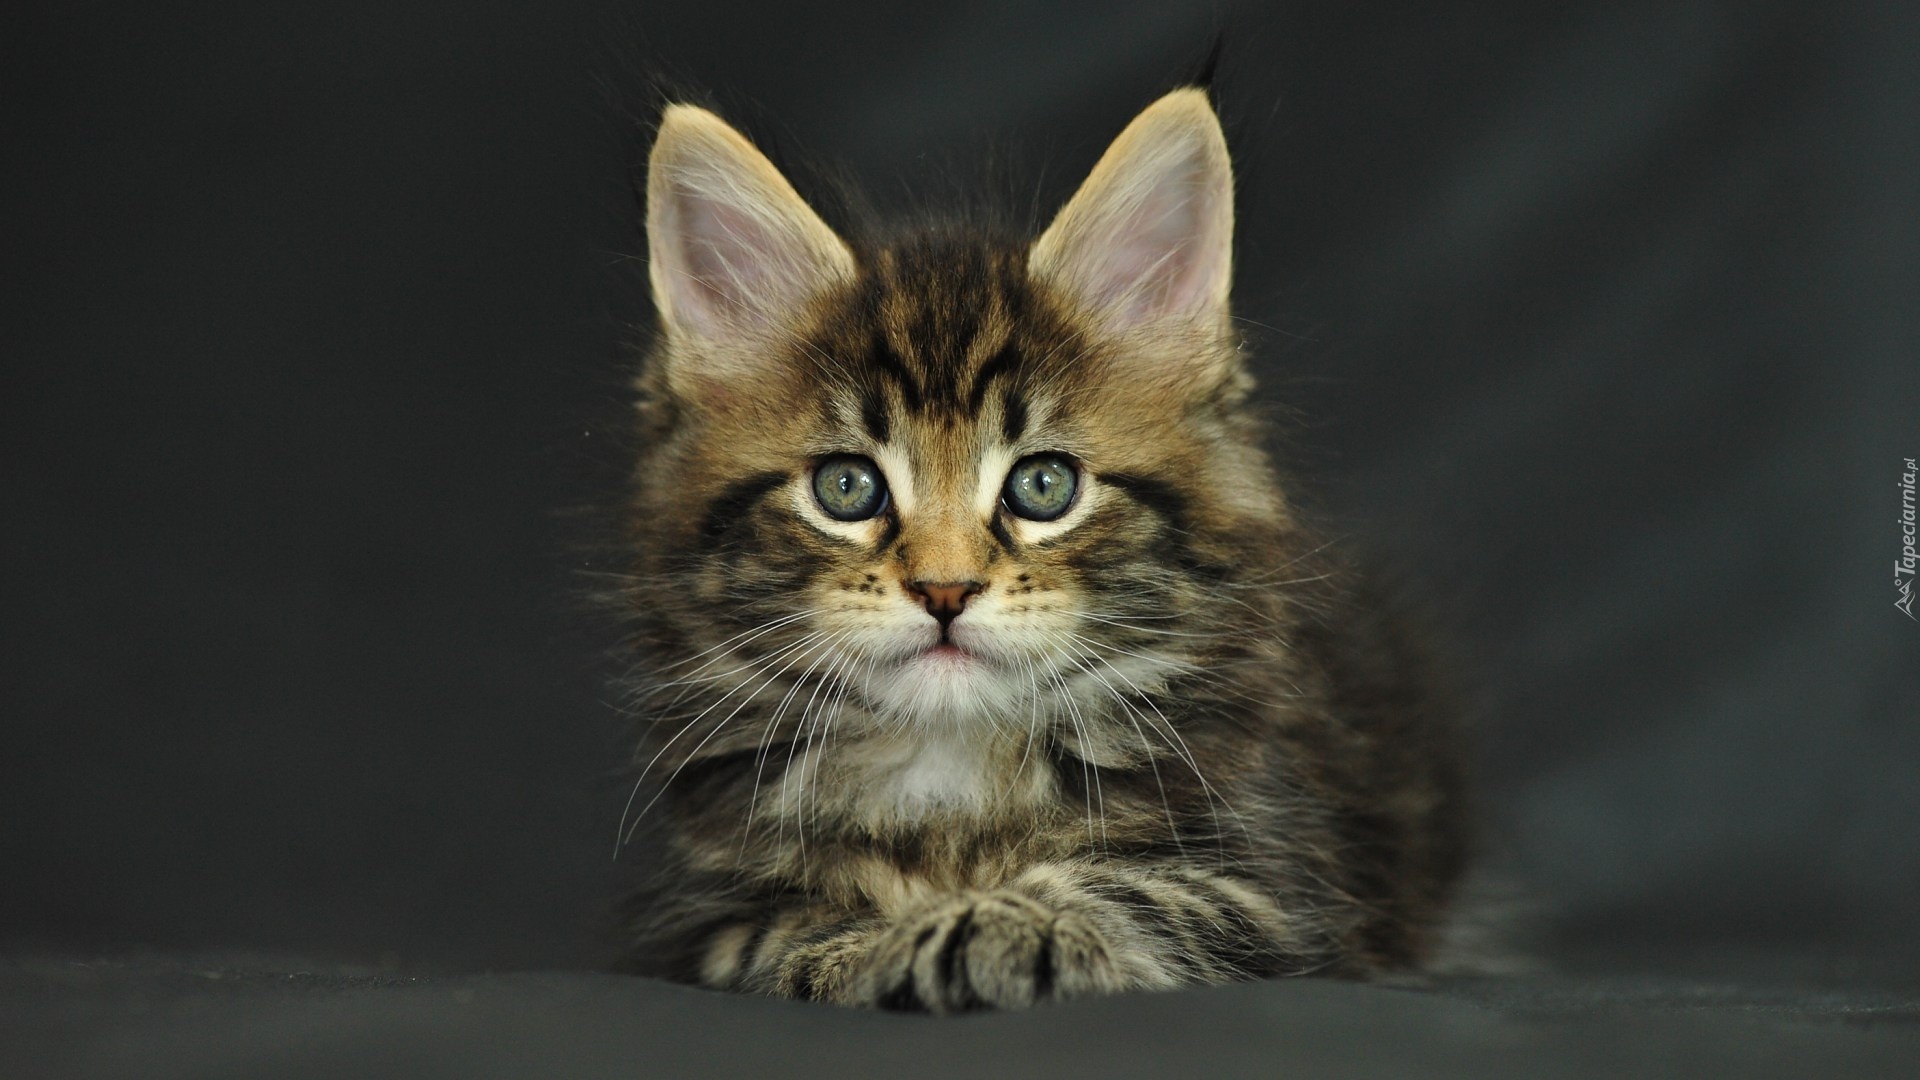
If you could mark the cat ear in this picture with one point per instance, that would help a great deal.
(1149, 235)
(734, 253)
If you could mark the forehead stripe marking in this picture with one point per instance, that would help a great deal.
(873, 413)
(1001, 363)
(883, 359)
(1013, 416)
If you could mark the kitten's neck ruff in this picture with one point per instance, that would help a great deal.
(977, 749)
(886, 781)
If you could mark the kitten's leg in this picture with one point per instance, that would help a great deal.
(1074, 929)
(1176, 925)
(999, 949)
(1059, 930)
(797, 952)
(969, 950)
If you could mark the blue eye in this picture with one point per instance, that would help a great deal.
(1041, 487)
(849, 488)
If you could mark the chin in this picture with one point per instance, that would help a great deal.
(946, 686)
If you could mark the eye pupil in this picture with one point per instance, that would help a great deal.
(1041, 487)
(849, 488)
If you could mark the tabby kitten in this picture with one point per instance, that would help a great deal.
(988, 663)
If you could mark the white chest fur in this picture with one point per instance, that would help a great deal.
(914, 774)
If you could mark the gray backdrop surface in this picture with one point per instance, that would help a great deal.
(1600, 325)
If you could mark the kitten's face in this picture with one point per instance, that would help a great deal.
(959, 597)
(961, 482)
(958, 505)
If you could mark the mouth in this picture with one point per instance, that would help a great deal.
(946, 656)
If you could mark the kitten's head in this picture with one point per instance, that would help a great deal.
(960, 479)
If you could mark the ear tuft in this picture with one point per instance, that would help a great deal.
(733, 251)
(1148, 238)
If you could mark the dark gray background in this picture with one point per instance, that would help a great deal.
(1601, 324)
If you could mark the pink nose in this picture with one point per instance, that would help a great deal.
(944, 599)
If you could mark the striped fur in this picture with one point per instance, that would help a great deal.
(1182, 745)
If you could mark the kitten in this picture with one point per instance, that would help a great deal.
(990, 664)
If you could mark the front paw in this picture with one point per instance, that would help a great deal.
(996, 950)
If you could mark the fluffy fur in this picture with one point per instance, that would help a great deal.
(1168, 740)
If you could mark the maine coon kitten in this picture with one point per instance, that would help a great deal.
(987, 661)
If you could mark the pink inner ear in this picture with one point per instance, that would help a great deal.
(1161, 248)
(724, 255)
(1162, 262)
